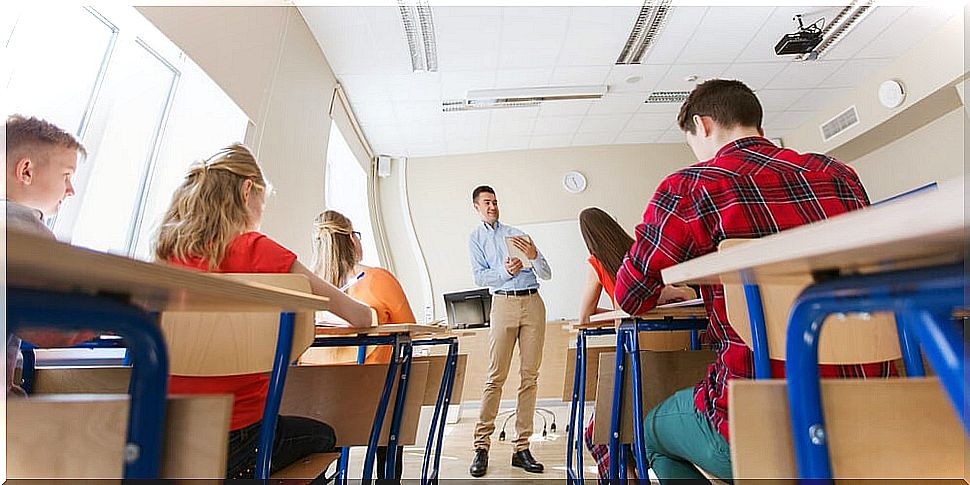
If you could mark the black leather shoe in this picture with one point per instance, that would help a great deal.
(479, 464)
(524, 460)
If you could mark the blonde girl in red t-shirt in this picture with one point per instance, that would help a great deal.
(212, 225)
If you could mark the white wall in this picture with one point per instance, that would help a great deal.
(267, 60)
(933, 153)
(621, 180)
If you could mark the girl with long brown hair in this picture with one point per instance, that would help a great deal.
(212, 225)
(608, 244)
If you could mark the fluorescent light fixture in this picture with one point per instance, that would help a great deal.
(839, 27)
(474, 105)
(661, 97)
(522, 97)
(645, 30)
(419, 33)
(550, 93)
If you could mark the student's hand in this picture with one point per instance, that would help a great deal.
(513, 265)
(671, 294)
(526, 246)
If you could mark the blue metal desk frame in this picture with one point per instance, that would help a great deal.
(626, 343)
(28, 308)
(401, 342)
(923, 300)
(440, 417)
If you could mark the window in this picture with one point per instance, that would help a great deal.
(143, 110)
(346, 192)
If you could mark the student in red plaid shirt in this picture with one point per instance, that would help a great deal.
(743, 187)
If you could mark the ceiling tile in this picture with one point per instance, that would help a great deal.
(456, 84)
(853, 72)
(522, 78)
(604, 138)
(459, 51)
(375, 113)
(513, 56)
(467, 145)
(669, 109)
(616, 104)
(779, 99)
(528, 31)
(510, 127)
(817, 99)
(908, 30)
(599, 123)
(579, 76)
(651, 121)
(630, 137)
(756, 75)
(724, 33)
(676, 77)
(803, 75)
(463, 124)
(508, 143)
(556, 125)
(574, 107)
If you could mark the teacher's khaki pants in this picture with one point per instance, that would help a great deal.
(513, 318)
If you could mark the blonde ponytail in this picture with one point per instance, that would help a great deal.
(209, 209)
(333, 249)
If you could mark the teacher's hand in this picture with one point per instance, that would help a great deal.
(513, 265)
(526, 246)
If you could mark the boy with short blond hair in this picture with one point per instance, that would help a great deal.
(41, 160)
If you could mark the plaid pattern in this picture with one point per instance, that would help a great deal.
(750, 189)
(601, 454)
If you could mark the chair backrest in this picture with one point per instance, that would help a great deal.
(233, 343)
(875, 429)
(663, 374)
(850, 339)
(82, 436)
(346, 398)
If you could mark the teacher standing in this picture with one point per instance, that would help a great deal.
(518, 315)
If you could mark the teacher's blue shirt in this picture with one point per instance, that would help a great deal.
(488, 251)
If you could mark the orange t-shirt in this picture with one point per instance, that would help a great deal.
(607, 280)
(379, 289)
(250, 252)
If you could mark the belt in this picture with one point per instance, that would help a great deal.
(517, 292)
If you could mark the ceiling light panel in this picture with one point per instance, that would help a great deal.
(659, 97)
(418, 24)
(649, 23)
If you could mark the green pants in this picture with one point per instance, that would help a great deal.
(678, 436)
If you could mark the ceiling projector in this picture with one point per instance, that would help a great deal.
(801, 42)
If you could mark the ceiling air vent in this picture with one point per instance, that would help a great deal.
(842, 121)
(659, 97)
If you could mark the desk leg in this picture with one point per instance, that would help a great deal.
(909, 346)
(945, 352)
(616, 448)
(342, 465)
(574, 433)
(375, 432)
(27, 371)
(439, 418)
(639, 448)
(453, 366)
(759, 334)
(149, 374)
(267, 429)
(402, 390)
